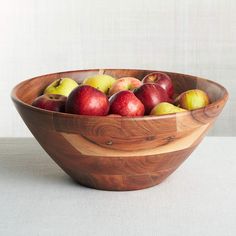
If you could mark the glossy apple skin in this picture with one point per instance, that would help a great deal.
(161, 79)
(150, 95)
(86, 100)
(165, 108)
(125, 83)
(100, 82)
(51, 102)
(62, 86)
(125, 103)
(192, 99)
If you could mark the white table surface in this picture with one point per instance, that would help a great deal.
(37, 198)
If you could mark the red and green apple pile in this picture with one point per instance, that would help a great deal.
(103, 95)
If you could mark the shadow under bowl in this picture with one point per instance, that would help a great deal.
(118, 153)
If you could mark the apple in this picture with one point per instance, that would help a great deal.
(164, 108)
(125, 83)
(100, 82)
(150, 95)
(125, 103)
(61, 86)
(51, 102)
(161, 79)
(86, 100)
(192, 99)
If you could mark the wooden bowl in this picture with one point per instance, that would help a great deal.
(118, 153)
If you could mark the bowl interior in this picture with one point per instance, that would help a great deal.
(28, 90)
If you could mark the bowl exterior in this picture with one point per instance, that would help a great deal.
(118, 153)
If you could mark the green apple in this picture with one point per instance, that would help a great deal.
(192, 99)
(164, 108)
(62, 86)
(100, 82)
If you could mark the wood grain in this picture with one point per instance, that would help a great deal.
(118, 153)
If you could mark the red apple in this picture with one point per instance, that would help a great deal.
(51, 102)
(125, 103)
(150, 95)
(86, 100)
(161, 79)
(125, 83)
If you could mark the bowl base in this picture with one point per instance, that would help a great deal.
(121, 183)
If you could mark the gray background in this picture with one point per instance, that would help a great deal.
(194, 37)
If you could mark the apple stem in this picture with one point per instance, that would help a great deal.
(58, 82)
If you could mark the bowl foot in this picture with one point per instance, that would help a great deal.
(120, 182)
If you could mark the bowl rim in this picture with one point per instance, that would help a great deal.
(145, 117)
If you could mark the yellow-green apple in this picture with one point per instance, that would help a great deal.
(161, 79)
(100, 82)
(164, 108)
(51, 102)
(62, 86)
(86, 100)
(125, 83)
(192, 99)
(150, 95)
(125, 103)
